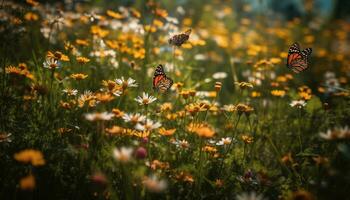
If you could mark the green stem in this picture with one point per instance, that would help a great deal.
(229, 147)
(200, 161)
(299, 131)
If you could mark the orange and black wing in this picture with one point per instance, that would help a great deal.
(293, 54)
(299, 65)
(161, 82)
(298, 60)
(164, 84)
(158, 75)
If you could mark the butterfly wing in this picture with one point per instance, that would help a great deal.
(181, 38)
(161, 82)
(299, 65)
(295, 48)
(293, 53)
(306, 53)
(298, 60)
(158, 75)
(164, 84)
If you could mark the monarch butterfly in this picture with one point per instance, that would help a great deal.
(298, 60)
(161, 82)
(179, 39)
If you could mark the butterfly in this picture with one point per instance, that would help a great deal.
(179, 39)
(161, 82)
(298, 60)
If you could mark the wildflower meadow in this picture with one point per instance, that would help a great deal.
(201, 99)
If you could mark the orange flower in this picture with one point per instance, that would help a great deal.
(83, 60)
(104, 97)
(209, 149)
(205, 132)
(114, 15)
(161, 12)
(118, 113)
(115, 130)
(255, 94)
(32, 2)
(82, 42)
(96, 30)
(278, 93)
(165, 132)
(27, 182)
(185, 177)
(287, 159)
(32, 156)
(29, 16)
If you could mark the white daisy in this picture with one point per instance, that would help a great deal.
(145, 99)
(154, 184)
(104, 116)
(134, 118)
(51, 63)
(298, 103)
(126, 83)
(224, 141)
(124, 154)
(148, 125)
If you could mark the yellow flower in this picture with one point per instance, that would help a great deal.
(281, 79)
(166, 132)
(305, 92)
(247, 139)
(27, 182)
(32, 156)
(83, 60)
(255, 94)
(185, 177)
(205, 131)
(135, 13)
(275, 60)
(209, 149)
(178, 85)
(82, 42)
(96, 30)
(20, 71)
(278, 93)
(156, 164)
(78, 76)
(104, 97)
(115, 130)
(118, 113)
(29, 16)
(242, 108)
(166, 107)
(158, 23)
(65, 105)
(185, 94)
(305, 95)
(114, 15)
(150, 29)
